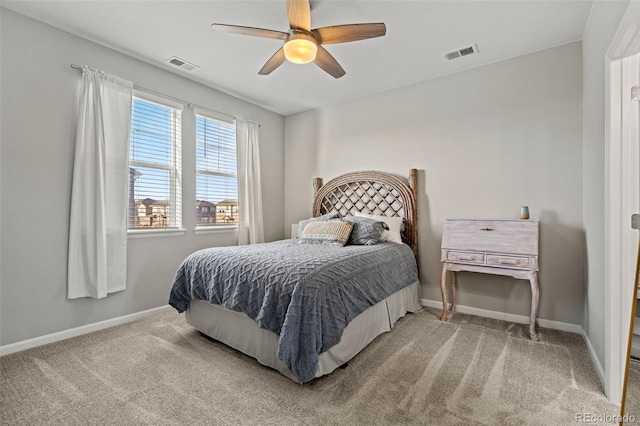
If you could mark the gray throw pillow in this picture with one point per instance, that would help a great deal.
(305, 222)
(366, 231)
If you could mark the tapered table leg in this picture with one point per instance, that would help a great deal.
(443, 289)
(534, 306)
(452, 284)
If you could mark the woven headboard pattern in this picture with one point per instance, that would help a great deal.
(371, 192)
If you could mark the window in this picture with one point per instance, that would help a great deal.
(216, 171)
(155, 200)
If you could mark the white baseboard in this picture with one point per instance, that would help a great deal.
(635, 350)
(594, 357)
(635, 346)
(522, 319)
(78, 331)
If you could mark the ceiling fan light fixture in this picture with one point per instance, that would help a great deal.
(303, 44)
(300, 48)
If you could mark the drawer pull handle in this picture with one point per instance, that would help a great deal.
(465, 258)
(507, 261)
(486, 229)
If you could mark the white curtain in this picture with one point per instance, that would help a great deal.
(97, 263)
(250, 222)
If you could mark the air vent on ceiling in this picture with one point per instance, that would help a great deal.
(462, 52)
(182, 64)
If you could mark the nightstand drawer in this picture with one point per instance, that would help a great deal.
(465, 257)
(508, 261)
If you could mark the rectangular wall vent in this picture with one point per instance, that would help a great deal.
(462, 52)
(182, 64)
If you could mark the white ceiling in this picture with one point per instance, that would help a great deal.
(418, 34)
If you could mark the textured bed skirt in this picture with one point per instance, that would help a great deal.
(243, 333)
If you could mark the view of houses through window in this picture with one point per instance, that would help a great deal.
(216, 171)
(155, 199)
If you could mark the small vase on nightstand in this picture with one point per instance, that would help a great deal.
(524, 212)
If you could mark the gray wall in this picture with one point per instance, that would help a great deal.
(603, 22)
(39, 92)
(485, 141)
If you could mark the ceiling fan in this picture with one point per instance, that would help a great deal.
(302, 44)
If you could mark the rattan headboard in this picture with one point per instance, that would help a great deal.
(374, 193)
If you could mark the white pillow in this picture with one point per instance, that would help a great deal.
(395, 227)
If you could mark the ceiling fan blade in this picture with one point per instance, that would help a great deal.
(349, 32)
(250, 31)
(328, 63)
(274, 62)
(299, 13)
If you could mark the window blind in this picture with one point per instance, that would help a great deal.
(155, 200)
(216, 171)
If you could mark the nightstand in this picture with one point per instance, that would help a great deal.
(500, 247)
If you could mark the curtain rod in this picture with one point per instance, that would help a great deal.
(189, 104)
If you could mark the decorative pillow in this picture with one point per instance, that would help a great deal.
(327, 232)
(366, 231)
(395, 223)
(305, 222)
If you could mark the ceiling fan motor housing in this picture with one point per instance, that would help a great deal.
(300, 47)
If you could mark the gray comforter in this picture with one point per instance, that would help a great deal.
(307, 294)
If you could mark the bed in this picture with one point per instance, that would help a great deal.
(307, 309)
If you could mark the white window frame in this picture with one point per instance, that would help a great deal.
(175, 170)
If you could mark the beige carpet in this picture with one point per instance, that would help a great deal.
(160, 371)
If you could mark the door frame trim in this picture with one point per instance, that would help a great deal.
(619, 195)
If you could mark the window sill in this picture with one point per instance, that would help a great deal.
(143, 233)
(215, 229)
